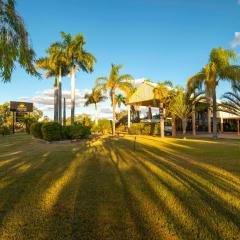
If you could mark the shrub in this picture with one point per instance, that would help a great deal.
(36, 130)
(144, 128)
(51, 131)
(28, 122)
(104, 126)
(79, 131)
(121, 128)
(66, 132)
(75, 132)
(4, 130)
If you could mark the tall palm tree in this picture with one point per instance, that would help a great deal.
(95, 97)
(77, 58)
(164, 93)
(116, 82)
(14, 43)
(219, 68)
(56, 52)
(55, 66)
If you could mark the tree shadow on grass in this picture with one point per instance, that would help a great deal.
(215, 205)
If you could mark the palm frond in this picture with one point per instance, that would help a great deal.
(196, 81)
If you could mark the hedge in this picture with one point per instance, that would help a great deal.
(36, 130)
(51, 131)
(144, 128)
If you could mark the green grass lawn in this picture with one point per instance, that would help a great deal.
(102, 189)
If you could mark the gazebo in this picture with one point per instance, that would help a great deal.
(144, 96)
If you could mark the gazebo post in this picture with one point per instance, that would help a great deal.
(221, 124)
(129, 116)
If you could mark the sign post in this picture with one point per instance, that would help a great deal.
(19, 109)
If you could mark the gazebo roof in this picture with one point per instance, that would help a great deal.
(144, 95)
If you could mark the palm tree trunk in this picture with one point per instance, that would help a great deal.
(184, 126)
(209, 120)
(60, 96)
(214, 115)
(73, 85)
(173, 125)
(96, 115)
(194, 121)
(64, 112)
(56, 100)
(114, 112)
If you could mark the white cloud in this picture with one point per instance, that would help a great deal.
(238, 2)
(44, 100)
(236, 41)
(106, 110)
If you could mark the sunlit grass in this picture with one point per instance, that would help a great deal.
(103, 189)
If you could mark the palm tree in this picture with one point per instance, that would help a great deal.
(14, 44)
(182, 105)
(116, 82)
(120, 99)
(56, 52)
(54, 66)
(164, 93)
(77, 59)
(231, 102)
(218, 69)
(95, 97)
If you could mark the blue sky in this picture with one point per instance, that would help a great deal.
(154, 39)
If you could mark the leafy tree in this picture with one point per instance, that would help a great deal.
(219, 68)
(14, 43)
(95, 97)
(116, 82)
(77, 58)
(5, 115)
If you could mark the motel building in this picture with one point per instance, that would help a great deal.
(147, 106)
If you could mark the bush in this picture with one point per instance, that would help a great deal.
(4, 130)
(51, 131)
(28, 122)
(79, 131)
(144, 128)
(104, 126)
(36, 130)
(66, 132)
(121, 128)
(75, 132)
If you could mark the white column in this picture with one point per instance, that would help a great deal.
(129, 116)
(222, 125)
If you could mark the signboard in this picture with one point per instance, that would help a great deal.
(21, 107)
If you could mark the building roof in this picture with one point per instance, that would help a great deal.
(144, 95)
